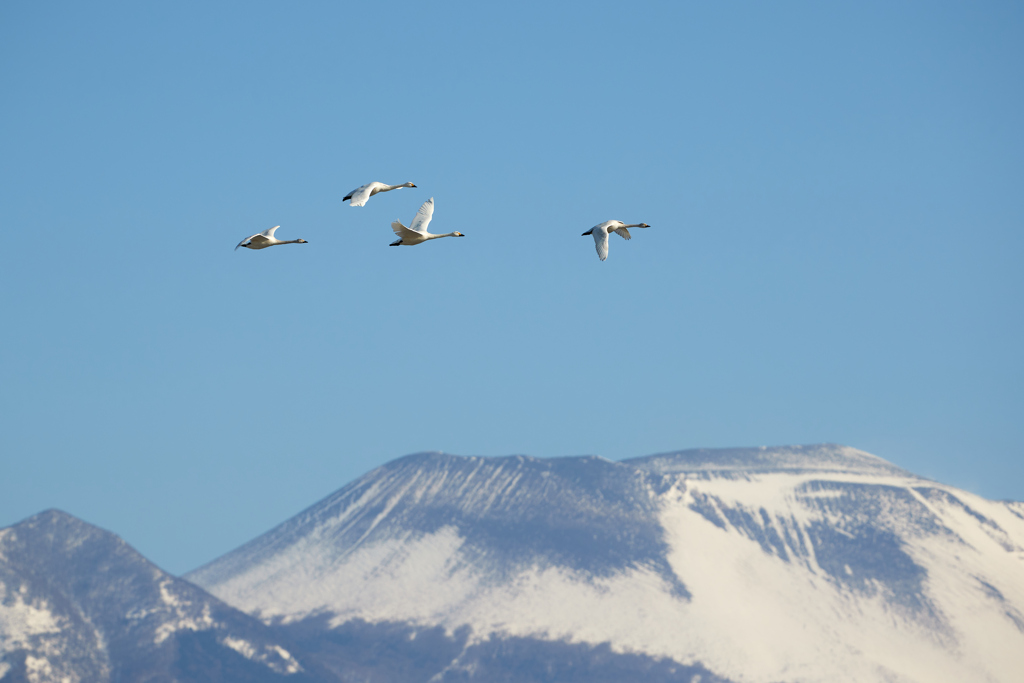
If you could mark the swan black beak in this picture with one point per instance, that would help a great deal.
(588, 232)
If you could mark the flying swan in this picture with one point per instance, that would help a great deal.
(600, 233)
(265, 239)
(361, 194)
(417, 231)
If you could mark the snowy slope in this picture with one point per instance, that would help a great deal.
(77, 604)
(817, 563)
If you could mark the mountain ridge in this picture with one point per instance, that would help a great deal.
(77, 603)
(687, 460)
(625, 507)
(823, 457)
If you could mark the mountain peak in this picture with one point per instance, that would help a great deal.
(50, 518)
(57, 538)
(78, 603)
(590, 513)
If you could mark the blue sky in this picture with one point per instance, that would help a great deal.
(835, 194)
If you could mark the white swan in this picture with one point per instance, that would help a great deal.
(265, 239)
(417, 231)
(600, 233)
(361, 194)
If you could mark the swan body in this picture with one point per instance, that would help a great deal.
(417, 233)
(361, 194)
(600, 233)
(265, 239)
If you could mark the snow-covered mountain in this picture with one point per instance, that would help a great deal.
(78, 605)
(813, 563)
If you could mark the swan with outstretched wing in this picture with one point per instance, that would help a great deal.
(601, 231)
(417, 233)
(262, 240)
(364, 192)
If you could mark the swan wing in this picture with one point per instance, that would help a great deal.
(269, 232)
(601, 242)
(623, 233)
(422, 218)
(361, 194)
(244, 241)
(403, 232)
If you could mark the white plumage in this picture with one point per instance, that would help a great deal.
(361, 194)
(262, 240)
(417, 233)
(600, 233)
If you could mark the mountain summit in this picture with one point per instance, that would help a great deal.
(79, 605)
(809, 563)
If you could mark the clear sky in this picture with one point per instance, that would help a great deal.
(836, 195)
